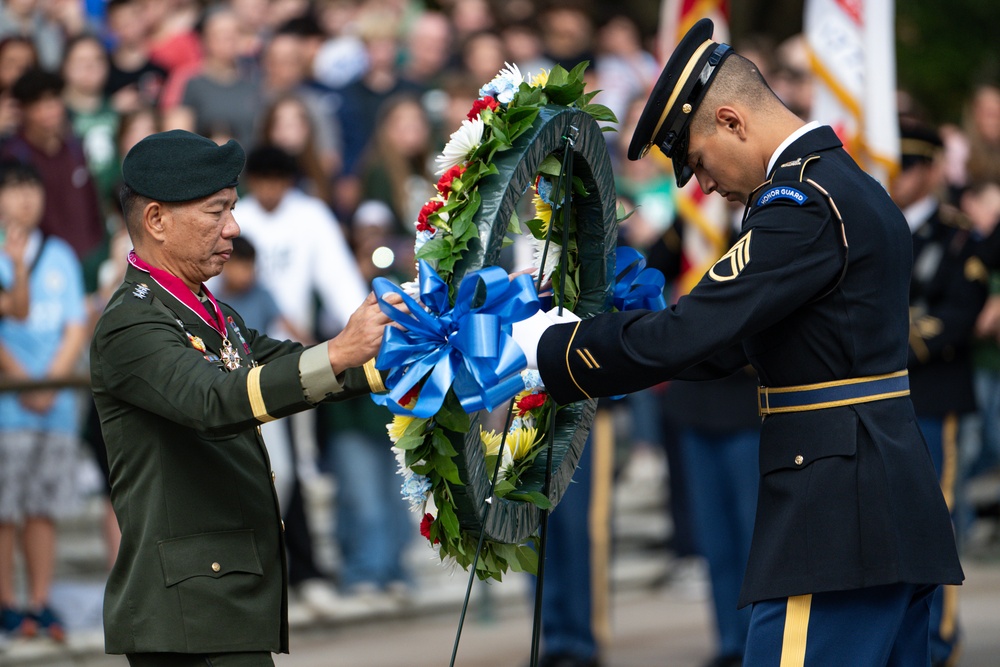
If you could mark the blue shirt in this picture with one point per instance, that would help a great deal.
(56, 300)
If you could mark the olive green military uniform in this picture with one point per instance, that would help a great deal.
(201, 567)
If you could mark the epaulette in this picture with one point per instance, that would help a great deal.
(953, 217)
(778, 188)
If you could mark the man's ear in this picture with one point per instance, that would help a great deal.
(731, 120)
(154, 220)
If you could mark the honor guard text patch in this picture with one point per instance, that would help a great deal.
(733, 262)
(782, 192)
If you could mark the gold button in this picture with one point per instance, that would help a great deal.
(282, 526)
(799, 460)
(272, 476)
(216, 567)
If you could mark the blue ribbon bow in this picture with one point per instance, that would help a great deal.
(635, 285)
(467, 347)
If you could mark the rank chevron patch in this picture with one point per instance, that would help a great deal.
(733, 262)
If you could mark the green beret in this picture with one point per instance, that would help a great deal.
(179, 166)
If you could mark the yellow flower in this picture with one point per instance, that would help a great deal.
(543, 212)
(539, 80)
(398, 426)
(522, 441)
(490, 440)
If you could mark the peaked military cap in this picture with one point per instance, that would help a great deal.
(178, 165)
(675, 98)
(918, 143)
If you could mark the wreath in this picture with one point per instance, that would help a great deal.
(454, 355)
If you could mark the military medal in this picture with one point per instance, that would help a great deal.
(212, 317)
(230, 358)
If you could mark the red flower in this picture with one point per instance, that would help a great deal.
(444, 184)
(410, 395)
(429, 209)
(531, 401)
(425, 526)
(485, 103)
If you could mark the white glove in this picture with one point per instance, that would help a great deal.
(527, 333)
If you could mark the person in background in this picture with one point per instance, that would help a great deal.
(17, 56)
(14, 298)
(372, 525)
(134, 80)
(288, 124)
(397, 167)
(38, 429)
(44, 140)
(26, 18)
(94, 120)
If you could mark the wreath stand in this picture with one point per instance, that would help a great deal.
(577, 139)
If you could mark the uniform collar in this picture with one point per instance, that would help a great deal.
(807, 139)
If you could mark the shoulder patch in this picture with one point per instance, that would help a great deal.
(733, 262)
(782, 192)
(141, 291)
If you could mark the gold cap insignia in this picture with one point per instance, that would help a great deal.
(686, 108)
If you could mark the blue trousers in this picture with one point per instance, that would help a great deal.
(576, 587)
(881, 626)
(722, 482)
(942, 436)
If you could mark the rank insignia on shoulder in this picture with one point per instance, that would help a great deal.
(733, 262)
(141, 291)
(782, 192)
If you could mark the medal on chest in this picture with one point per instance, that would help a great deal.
(230, 358)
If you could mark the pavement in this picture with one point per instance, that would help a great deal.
(660, 609)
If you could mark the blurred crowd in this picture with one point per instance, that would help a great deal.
(342, 106)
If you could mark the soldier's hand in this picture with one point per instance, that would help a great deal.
(361, 338)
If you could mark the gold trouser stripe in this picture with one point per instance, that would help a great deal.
(599, 519)
(949, 458)
(374, 377)
(569, 370)
(793, 643)
(256, 396)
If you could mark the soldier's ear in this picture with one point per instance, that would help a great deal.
(730, 120)
(154, 220)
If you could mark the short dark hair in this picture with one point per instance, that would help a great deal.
(133, 204)
(35, 84)
(15, 172)
(243, 250)
(271, 162)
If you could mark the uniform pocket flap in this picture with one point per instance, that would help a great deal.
(796, 439)
(209, 555)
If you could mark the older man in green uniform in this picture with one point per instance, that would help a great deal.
(182, 386)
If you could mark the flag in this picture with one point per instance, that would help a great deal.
(852, 54)
(706, 217)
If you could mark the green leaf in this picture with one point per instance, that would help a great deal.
(451, 415)
(565, 95)
(436, 248)
(503, 488)
(576, 74)
(600, 112)
(558, 76)
(446, 515)
(622, 215)
(442, 443)
(514, 224)
(535, 227)
(550, 166)
(533, 497)
(527, 559)
(408, 442)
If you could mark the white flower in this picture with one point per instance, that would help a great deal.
(504, 85)
(422, 238)
(464, 141)
(532, 379)
(551, 259)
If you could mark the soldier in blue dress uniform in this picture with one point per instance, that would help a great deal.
(947, 292)
(852, 534)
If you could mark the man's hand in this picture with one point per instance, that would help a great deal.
(361, 338)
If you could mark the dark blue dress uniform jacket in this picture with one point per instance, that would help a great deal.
(848, 495)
